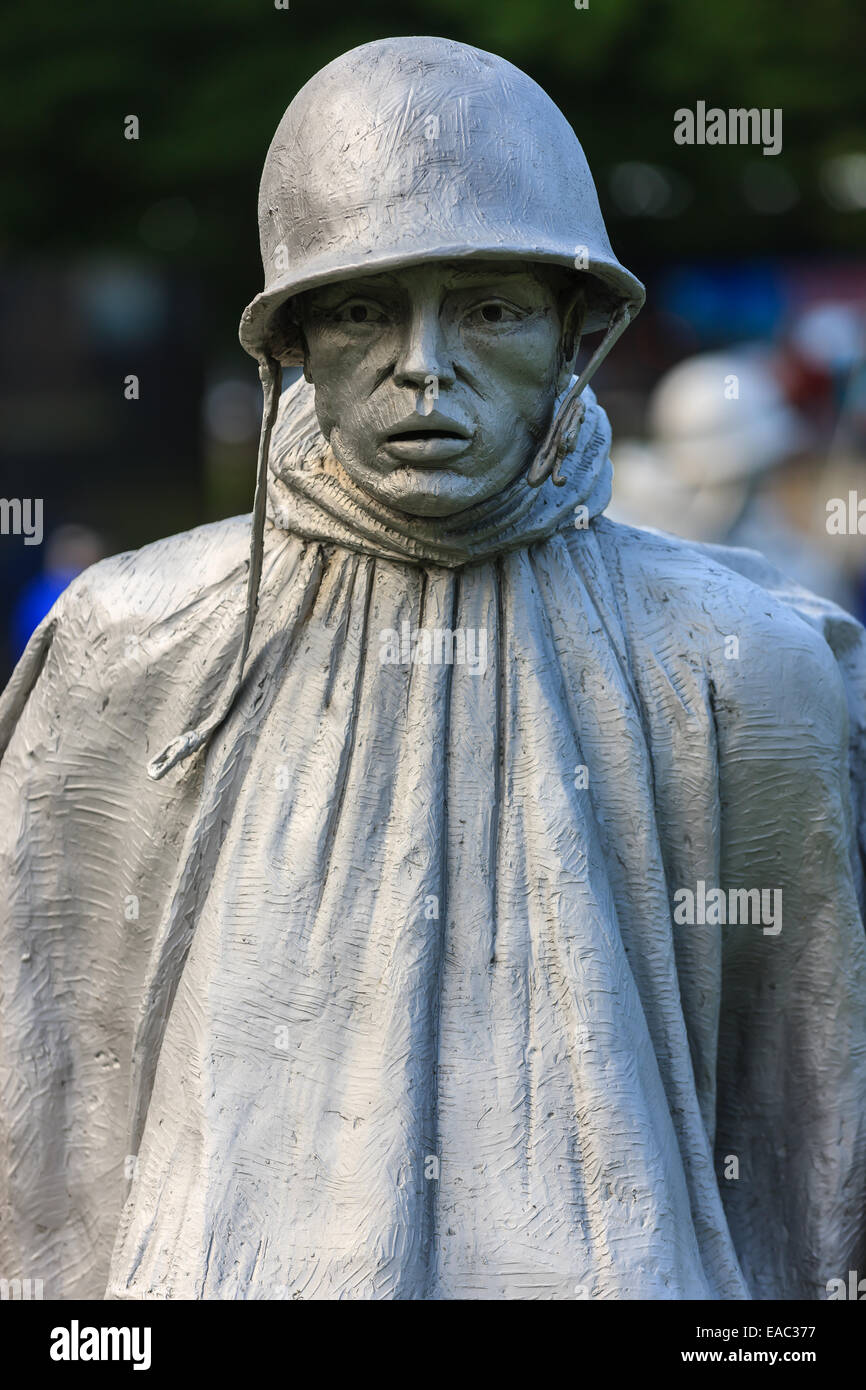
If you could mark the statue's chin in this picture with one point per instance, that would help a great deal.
(419, 504)
(424, 492)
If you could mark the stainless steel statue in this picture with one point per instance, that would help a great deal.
(448, 893)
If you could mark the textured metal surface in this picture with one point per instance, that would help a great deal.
(380, 923)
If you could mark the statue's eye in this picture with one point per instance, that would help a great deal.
(493, 311)
(359, 311)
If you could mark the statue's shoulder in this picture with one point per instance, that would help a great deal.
(124, 613)
(154, 582)
(732, 612)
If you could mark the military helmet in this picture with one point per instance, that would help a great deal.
(413, 149)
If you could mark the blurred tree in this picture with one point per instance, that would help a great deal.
(209, 79)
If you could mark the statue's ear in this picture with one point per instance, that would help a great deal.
(572, 313)
(288, 337)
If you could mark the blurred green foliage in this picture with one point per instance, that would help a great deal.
(209, 80)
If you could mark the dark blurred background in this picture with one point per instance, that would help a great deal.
(130, 259)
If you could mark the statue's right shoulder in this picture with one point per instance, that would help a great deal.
(156, 579)
(136, 606)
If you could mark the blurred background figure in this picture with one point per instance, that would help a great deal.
(730, 459)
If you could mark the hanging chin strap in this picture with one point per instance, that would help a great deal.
(562, 434)
(270, 374)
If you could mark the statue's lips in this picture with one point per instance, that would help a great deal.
(430, 439)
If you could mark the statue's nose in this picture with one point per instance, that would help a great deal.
(424, 352)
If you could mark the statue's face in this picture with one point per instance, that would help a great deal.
(435, 384)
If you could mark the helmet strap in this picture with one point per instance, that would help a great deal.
(270, 374)
(561, 437)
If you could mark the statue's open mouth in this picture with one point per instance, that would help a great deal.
(426, 439)
(423, 434)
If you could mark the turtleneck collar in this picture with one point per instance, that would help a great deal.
(311, 495)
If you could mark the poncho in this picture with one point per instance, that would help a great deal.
(387, 993)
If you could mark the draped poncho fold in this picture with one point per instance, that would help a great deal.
(383, 994)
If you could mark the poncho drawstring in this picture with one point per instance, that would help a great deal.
(270, 374)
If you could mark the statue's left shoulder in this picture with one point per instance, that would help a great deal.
(776, 656)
